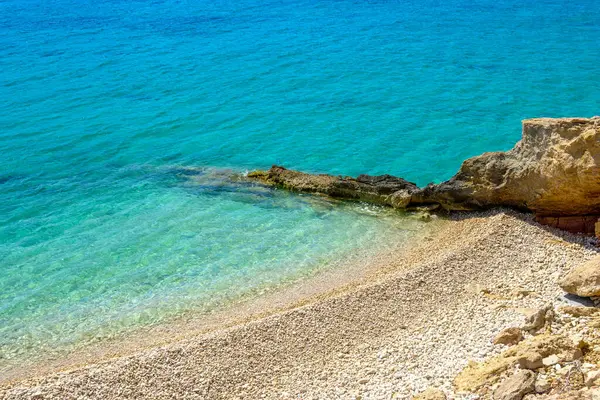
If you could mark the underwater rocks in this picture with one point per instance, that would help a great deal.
(554, 171)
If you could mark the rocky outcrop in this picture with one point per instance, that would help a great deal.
(554, 171)
(583, 280)
(563, 365)
(572, 223)
(527, 354)
(384, 189)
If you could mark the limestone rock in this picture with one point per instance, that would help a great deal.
(384, 189)
(578, 311)
(552, 171)
(572, 223)
(542, 385)
(509, 336)
(516, 386)
(476, 375)
(583, 280)
(537, 319)
(431, 394)
(592, 378)
(530, 360)
(551, 360)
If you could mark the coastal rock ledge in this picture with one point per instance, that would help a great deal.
(553, 171)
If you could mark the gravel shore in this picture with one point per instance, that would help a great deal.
(413, 326)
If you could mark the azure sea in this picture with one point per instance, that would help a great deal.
(124, 126)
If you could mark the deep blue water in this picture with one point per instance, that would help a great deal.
(105, 104)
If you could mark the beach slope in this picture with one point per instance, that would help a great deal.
(397, 333)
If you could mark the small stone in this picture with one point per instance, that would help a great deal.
(558, 367)
(564, 370)
(517, 386)
(509, 336)
(363, 381)
(551, 360)
(592, 378)
(530, 360)
(542, 385)
(431, 394)
(537, 319)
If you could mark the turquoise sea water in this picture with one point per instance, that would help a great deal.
(121, 122)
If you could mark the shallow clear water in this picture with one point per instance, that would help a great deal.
(106, 103)
(156, 243)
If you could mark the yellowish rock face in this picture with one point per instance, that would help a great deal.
(430, 394)
(554, 170)
(583, 280)
(477, 375)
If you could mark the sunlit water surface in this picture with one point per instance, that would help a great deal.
(108, 106)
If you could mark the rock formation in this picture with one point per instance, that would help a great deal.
(517, 386)
(384, 189)
(568, 367)
(509, 336)
(583, 280)
(527, 355)
(554, 171)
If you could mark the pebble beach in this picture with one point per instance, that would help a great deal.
(414, 322)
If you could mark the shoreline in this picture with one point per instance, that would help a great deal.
(551, 172)
(363, 340)
(356, 269)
